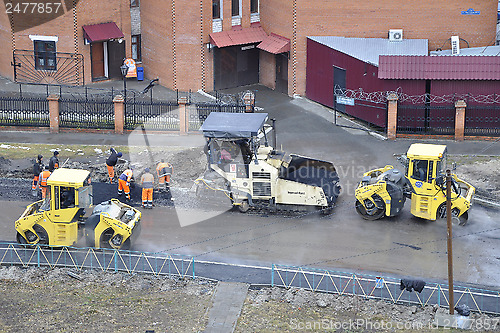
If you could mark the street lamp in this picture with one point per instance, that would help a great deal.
(124, 69)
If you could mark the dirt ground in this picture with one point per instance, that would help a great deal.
(44, 300)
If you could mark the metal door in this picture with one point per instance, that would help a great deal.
(338, 81)
(116, 54)
(282, 73)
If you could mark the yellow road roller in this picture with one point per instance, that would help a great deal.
(383, 192)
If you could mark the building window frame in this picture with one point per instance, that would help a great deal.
(45, 52)
(254, 6)
(236, 8)
(217, 9)
(135, 41)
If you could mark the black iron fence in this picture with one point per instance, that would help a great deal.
(162, 116)
(88, 114)
(482, 120)
(48, 67)
(426, 119)
(16, 111)
(200, 112)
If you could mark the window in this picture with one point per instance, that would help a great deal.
(134, 3)
(254, 6)
(235, 7)
(136, 47)
(45, 55)
(216, 10)
(420, 170)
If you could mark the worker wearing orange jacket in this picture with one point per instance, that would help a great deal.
(164, 171)
(37, 170)
(147, 181)
(42, 182)
(124, 182)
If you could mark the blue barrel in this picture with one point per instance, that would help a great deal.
(140, 73)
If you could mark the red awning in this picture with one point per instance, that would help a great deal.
(102, 32)
(238, 36)
(275, 44)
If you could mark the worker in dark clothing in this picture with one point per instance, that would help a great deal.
(54, 162)
(111, 162)
(37, 170)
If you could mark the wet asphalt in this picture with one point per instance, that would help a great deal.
(402, 246)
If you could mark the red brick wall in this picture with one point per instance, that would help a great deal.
(267, 71)
(5, 41)
(87, 12)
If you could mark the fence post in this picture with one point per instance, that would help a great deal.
(249, 100)
(460, 106)
(392, 115)
(53, 113)
(119, 113)
(183, 115)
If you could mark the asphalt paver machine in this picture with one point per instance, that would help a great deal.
(383, 192)
(259, 176)
(61, 218)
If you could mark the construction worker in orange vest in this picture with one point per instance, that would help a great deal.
(42, 182)
(124, 182)
(164, 171)
(147, 181)
(37, 169)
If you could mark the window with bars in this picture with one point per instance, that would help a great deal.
(45, 55)
(216, 9)
(136, 47)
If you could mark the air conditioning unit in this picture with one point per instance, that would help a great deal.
(455, 45)
(396, 35)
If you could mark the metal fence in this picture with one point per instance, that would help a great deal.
(105, 260)
(16, 111)
(201, 111)
(389, 289)
(426, 119)
(317, 280)
(482, 120)
(88, 114)
(160, 116)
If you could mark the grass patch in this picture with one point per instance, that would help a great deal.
(31, 150)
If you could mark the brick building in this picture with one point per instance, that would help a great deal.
(68, 42)
(213, 44)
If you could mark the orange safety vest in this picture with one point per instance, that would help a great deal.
(163, 169)
(126, 175)
(42, 179)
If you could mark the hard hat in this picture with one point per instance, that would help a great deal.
(146, 170)
(119, 154)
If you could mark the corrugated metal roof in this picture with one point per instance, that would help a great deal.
(480, 51)
(439, 68)
(275, 44)
(102, 32)
(369, 49)
(238, 36)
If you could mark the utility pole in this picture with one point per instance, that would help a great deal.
(449, 238)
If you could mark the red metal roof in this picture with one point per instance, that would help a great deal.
(238, 36)
(275, 44)
(439, 67)
(102, 32)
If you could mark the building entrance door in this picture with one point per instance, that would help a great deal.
(282, 73)
(235, 66)
(97, 61)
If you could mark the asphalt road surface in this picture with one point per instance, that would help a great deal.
(404, 246)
